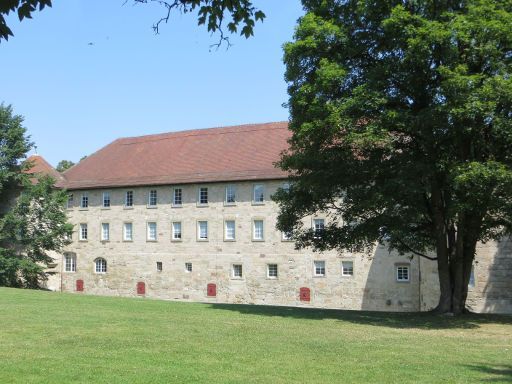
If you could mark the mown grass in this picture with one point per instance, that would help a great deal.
(50, 337)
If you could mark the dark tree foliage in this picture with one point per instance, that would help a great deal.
(64, 165)
(402, 132)
(24, 9)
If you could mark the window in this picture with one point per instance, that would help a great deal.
(258, 194)
(237, 271)
(159, 266)
(152, 198)
(230, 194)
(319, 267)
(84, 201)
(70, 263)
(128, 232)
(100, 265)
(318, 226)
(70, 200)
(229, 230)
(83, 232)
(128, 199)
(202, 230)
(105, 231)
(257, 230)
(286, 236)
(203, 195)
(471, 283)
(151, 231)
(188, 267)
(347, 268)
(177, 197)
(286, 187)
(106, 199)
(176, 230)
(402, 273)
(272, 271)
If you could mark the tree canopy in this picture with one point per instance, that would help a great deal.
(402, 131)
(64, 165)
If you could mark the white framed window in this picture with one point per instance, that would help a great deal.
(84, 201)
(347, 268)
(177, 197)
(202, 230)
(318, 226)
(258, 195)
(159, 266)
(229, 230)
(105, 231)
(202, 197)
(128, 232)
(70, 201)
(151, 233)
(176, 230)
(188, 267)
(236, 271)
(128, 199)
(69, 262)
(257, 230)
(402, 273)
(152, 198)
(106, 199)
(100, 265)
(230, 194)
(272, 271)
(83, 234)
(319, 267)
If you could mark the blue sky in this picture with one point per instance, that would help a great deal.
(78, 97)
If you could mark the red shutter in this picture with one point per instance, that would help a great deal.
(79, 285)
(211, 290)
(305, 294)
(141, 288)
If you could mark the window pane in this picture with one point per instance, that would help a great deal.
(258, 230)
(176, 230)
(230, 194)
(106, 199)
(128, 231)
(319, 268)
(237, 270)
(83, 231)
(272, 270)
(230, 230)
(84, 202)
(177, 196)
(347, 268)
(152, 231)
(203, 229)
(152, 198)
(129, 199)
(105, 231)
(203, 195)
(188, 267)
(259, 193)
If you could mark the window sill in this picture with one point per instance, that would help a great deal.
(151, 241)
(69, 271)
(105, 208)
(258, 203)
(230, 204)
(83, 209)
(176, 240)
(202, 205)
(177, 206)
(203, 240)
(229, 240)
(347, 276)
(127, 207)
(237, 278)
(104, 241)
(319, 276)
(403, 281)
(151, 206)
(286, 240)
(258, 240)
(83, 241)
(272, 278)
(127, 241)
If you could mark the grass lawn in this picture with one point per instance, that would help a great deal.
(48, 337)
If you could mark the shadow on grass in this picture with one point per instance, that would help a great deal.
(497, 373)
(381, 319)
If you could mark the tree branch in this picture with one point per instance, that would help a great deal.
(414, 251)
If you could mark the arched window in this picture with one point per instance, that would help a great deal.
(100, 265)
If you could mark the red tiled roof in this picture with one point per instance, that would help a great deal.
(40, 167)
(245, 152)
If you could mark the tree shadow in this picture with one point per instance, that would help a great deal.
(421, 320)
(497, 373)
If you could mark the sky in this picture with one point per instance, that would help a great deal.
(86, 72)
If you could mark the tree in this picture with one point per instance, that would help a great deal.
(64, 165)
(32, 216)
(212, 13)
(402, 132)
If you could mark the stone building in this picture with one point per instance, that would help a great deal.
(189, 216)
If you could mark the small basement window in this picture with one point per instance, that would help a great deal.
(159, 266)
(188, 267)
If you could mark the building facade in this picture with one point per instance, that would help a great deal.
(189, 216)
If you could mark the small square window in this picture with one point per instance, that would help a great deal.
(319, 267)
(203, 195)
(152, 198)
(83, 232)
(237, 271)
(176, 230)
(402, 273)
(84, 201)
(202, 230)
(159, 266)
(230, 194)
(229, 230)
(257, 231)
(258, 194)
(347, 268)
(106, 199)
(272, 271)
(188, 267)
(128, 199)
(128, 232)
(177, 197)
(151, 231)
(105, 231)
